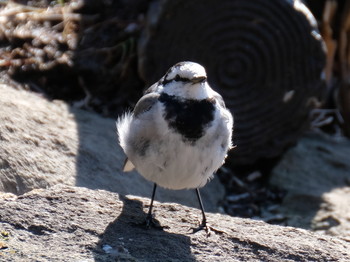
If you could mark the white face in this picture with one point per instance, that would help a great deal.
(186, 71)
(187, 80)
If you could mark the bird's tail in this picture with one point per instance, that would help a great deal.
(123, 126)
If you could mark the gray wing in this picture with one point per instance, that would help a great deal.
(152, 89)
(219, 99)
(145, 103)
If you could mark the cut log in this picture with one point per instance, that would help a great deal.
(265, 57)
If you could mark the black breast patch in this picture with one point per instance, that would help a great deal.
(188, 117)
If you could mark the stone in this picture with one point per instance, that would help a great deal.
(65, 223)
(315, 174)
(44, 143)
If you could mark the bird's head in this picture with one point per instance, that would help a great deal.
(186, 79)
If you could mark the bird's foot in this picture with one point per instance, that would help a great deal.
(202, 226)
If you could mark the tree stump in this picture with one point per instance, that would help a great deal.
(265, 57)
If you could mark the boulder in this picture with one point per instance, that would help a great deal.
(44, 143)
(65, 223)
(315, 174)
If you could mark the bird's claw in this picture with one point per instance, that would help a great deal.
(202, 226)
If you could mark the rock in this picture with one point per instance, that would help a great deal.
(316, 177)
(45, 143)
(65, 223)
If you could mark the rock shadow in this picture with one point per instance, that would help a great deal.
(317, 167)
(126, 239)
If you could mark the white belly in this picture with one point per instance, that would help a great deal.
(181, 165)
(163, 157)
(174, 164)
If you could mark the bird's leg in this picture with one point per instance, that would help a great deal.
(203, 225)
(149, 218)
(204, 219)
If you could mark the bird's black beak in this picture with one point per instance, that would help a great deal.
(199, 79)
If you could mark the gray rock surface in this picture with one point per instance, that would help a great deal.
(316, 175)
(65, 223)
(44, 143)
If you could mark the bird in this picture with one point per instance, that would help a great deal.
(178, 134)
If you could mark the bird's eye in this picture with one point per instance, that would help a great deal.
(177, 78)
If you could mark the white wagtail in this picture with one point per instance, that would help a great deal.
(179, 132)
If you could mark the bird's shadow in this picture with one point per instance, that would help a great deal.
(127, 238)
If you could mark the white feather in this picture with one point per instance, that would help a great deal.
(123, 131)
(123, 128)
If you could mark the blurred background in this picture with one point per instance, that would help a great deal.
(282, 67)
